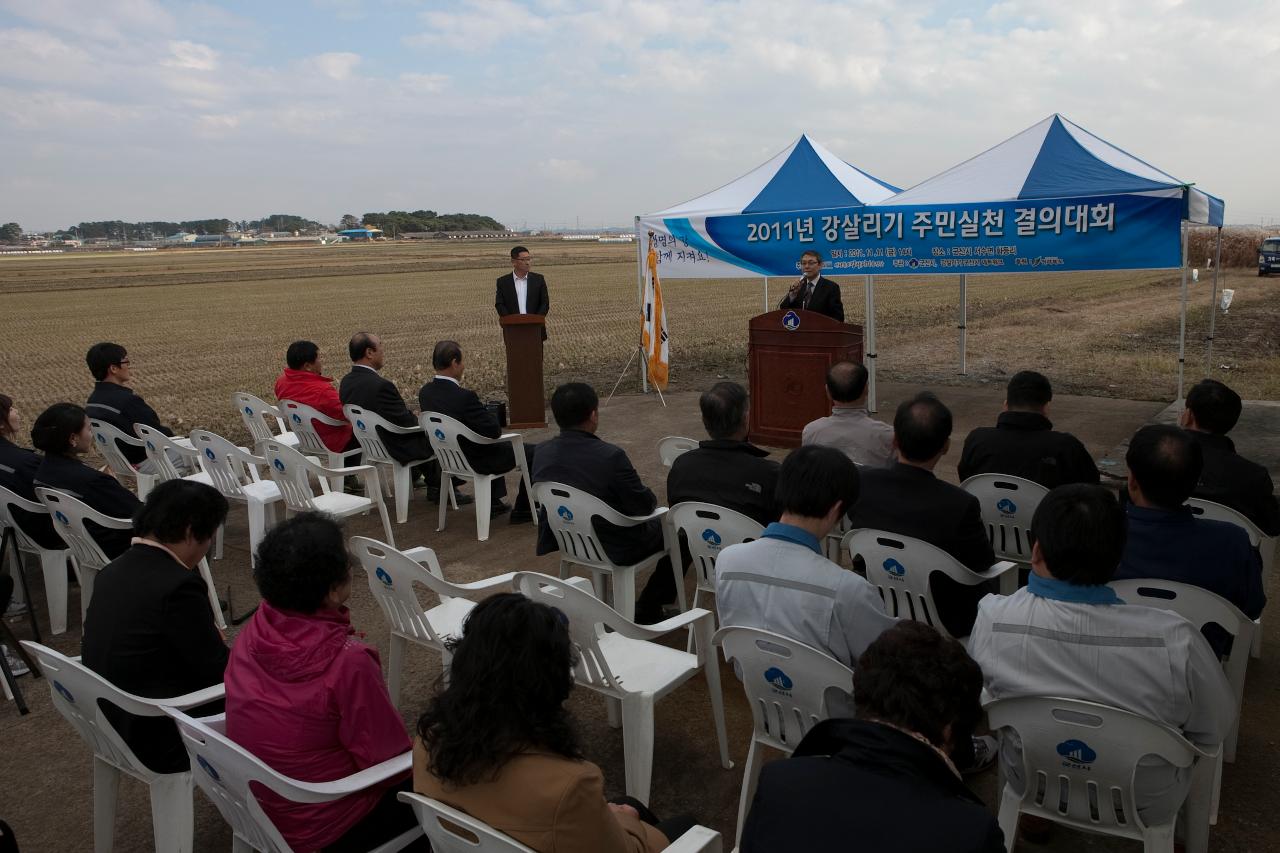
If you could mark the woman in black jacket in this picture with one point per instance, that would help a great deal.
(17, 474)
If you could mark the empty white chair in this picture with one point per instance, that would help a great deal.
(257, 416)
(392, 575)
(106, 436)
(1078, 762)
(673, 445)
(53, 561)
(570, 513)
(233, 471)
(364, 426)
(161, 453)
(1265, 544)
(453, 831)
(224, 770)
(1008, 504)
(709, 529)
(619, 659)
(787, 684)
(292, 471)
(900, 566)
(76, 691)
(443, 432)
(302, 420)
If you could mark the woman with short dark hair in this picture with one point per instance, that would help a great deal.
(18, 468)
(63, 433)
(308, 699)
(498, 743)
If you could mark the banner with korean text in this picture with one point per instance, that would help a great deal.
(1112, 232)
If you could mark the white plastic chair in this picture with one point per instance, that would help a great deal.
(106, 436)
(834, 540)
(787, 684)
(233, 471)
(224, 771)
(53, 562)
(709, 529)
(1265, 544)
(619, 659)
(1008, 504)
(257, 414)
(900, 566)
(570, 513)
(302, 419)
(364, 426)
(76, 691)
(1078, 761)
(674, 445)
(392, 575)
(161, 451)
(443, 432)
(452, 831)
(291, 472)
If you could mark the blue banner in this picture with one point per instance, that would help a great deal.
(1044, 235)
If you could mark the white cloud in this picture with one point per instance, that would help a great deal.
(188, 54)
(335, 66)
(567, 170)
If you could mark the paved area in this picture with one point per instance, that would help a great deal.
(46, 772)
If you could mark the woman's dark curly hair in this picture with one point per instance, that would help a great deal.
(300, 560)
(512, 670)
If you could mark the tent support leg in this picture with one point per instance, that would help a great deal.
(1182, 320)
(964, 313)
(869, 344)
(766, 294)
(1213, 306)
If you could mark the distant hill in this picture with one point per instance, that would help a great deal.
(400, 221)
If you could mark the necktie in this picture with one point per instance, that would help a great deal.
(808, 293)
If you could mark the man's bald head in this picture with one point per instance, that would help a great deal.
(847, 382)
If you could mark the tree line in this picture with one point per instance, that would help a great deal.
(399, 221)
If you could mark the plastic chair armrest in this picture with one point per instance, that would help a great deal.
(358, 781)
(349, 469)
(398, 430)
(322, 418)
(197, 697)
(996, 569)
(417, 554)
(666, 626)
(488, 583)
(698, 839)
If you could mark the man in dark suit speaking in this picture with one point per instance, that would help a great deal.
(521, 291)
(813, 291)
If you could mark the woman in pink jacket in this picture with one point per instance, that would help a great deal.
(308, 699)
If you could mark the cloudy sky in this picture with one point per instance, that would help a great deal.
(559, 111)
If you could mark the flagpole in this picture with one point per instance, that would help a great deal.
(644, 367)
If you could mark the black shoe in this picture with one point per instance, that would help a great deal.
(463, 500)
(498, 509)
(520, 516)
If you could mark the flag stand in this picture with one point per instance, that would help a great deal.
(638, 349)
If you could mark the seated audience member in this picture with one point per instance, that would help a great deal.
(1023, 443)
(918, 695)
(1067, 634)
(1166, 541)
(444, 394)
(365, 387)
(907, 499)
(62, 433)
(577, 457)
(1212, 410)
(498, 743)
(850, 428)
(113, 402)
(308, 699)
(18, 468)
(149, 629)
(727, 471)
(782, 582)
(303, 381)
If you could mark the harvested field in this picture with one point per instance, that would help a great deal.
(201, 324)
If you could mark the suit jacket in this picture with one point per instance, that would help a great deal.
(825, 300)
(1024, 444)
(1228, 478)
(100, 491)
(149, 631)
(587, 462)
(120, 407)
(463, 405)
(536, 300)
(368, 389)
(911, 501)
(18, 468)
(544, 801)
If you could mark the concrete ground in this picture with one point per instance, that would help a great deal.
(46, 771)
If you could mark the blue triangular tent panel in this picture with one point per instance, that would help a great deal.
(804, 181)
(1063, 168)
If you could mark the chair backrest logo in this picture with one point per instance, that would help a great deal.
(297, 418)
(711, 538)
(440, 436)
(150, 446)
(565, 513)
(894, 568)
(1076, 753)
(360, 425)
(64, 692)
(62, 518)
(778, 679)
(1006, 506)
(278, 463)
(208, 768)
(102, 439)
(382, 575)
(791, 321)
(248, 410)
(208, 452)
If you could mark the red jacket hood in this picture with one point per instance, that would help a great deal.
(294, 647)
(304, 377)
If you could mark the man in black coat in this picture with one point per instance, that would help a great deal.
(1023, 443)
(445, 395)
(907, 499)
(365, 387)
(521, 291)
(1212, 410)
(111, 401)
(149, 630)
(813, 291)
(917, 697)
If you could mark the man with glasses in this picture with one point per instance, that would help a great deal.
(113, 402)
(813, 291)
(521, 291)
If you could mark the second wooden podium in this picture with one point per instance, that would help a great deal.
(522, 334)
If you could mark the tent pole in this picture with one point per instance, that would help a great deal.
(964, 312)
(766, 294)
(869, 344)
(1182, 322)
(644, 362)
(1213, 305)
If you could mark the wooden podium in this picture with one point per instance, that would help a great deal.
(788, 353)
(522, 333)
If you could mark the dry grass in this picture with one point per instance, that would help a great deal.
(202, 324)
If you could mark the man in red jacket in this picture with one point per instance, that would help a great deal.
(303, 382)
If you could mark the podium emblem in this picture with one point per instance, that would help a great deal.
(791, 321)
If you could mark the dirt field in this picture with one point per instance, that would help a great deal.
(200, 324)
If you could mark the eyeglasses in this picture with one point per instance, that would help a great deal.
(122, 362)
